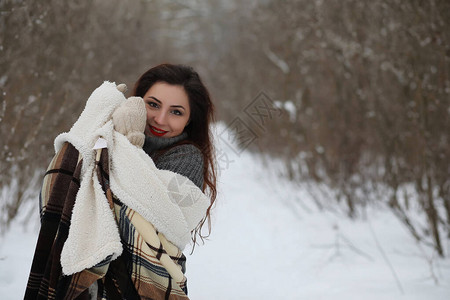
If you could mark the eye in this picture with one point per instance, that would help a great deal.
(153, 104)
(177, 112)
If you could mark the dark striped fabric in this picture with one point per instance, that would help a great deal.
(150, 267)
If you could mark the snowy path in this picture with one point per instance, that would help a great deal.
(266, 246)
(263, 246)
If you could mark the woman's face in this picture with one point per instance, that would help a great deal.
(168, 110)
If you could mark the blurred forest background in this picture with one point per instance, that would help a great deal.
(363, 86)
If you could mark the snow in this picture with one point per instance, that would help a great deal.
(264, 245)
(288, 106)
(269, 241)
(16, 253)
(280, 63)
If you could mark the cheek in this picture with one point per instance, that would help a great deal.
(178, 125)
(186, 119)
(183, 124)
(186, 122)
(149, 114)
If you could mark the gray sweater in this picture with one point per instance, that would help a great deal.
(185, 159)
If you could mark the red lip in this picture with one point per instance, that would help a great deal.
(156, 131)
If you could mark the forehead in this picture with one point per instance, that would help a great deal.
(168, 94)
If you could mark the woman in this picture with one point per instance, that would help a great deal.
(156, 202)
(177, 131)
(179, 113)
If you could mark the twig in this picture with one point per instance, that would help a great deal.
(429, 261)
(356, 250)
(386, 259)
(340, 242)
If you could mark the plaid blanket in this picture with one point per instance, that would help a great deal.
(150, 267)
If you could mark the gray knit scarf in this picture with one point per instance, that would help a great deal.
(185, 159)
(154, 143)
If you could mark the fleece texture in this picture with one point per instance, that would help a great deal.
(169, 201)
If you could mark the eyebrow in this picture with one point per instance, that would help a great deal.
(176, 106)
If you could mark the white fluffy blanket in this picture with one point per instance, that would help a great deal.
(169, 201)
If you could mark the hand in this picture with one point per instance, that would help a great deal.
(129, 119)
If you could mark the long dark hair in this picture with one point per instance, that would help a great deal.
(198, 129)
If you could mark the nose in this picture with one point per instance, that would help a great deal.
(160, 117)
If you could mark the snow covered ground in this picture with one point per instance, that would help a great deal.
(269, 241)
(265, 245)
